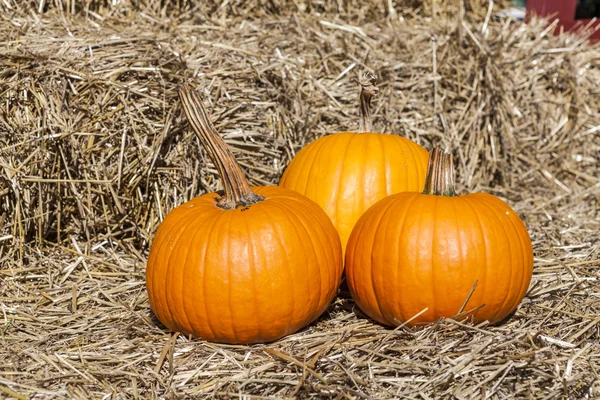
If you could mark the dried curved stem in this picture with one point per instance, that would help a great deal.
(236, 187)
(440, 174)
(367, 91)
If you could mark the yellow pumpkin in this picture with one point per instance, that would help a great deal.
(346, 173)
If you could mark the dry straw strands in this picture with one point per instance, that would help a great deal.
(94, 151)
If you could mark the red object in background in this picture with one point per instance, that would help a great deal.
(564, 11)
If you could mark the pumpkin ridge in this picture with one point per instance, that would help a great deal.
(167, 264)
(287, 267)
(205, 268)
(407, 154)
(151, 273)
(302, 235)
(328, 277)
(489, 211)
(252, 258)
(484, 241)
(458, 207)
(517, 231)
(382, 230)
(350, 274)
(313, 164)
(334, 278)
(339, 183)
(160, 255)
(333, 242)
(493, 210)
(372, 277)
(404, 217)
(202, 262)
(375, 275)
(205, 264)
(406, 149)
(175, 233)
(522, 231)
(493, 220)
(226, 228)
(387, 179)
(519, 226)
(419, 240)
(305, 158)
(353, 280)
(523, 281)
(457, 223)
(363, 184)
(372, 273)
(431, 260)
(360, 226)
(183, 273)
(335, 180)
(317, 246)
(193, 226)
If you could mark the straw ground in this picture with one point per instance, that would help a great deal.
(94, 151)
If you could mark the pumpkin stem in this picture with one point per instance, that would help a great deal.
(367, 91)
(236, 187)
(440, 174)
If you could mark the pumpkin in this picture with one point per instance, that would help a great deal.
(246, 265)
(416, 257)
(346, 173)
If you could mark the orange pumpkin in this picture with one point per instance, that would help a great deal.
(348, 172)
(468, 256)
(251, 265)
